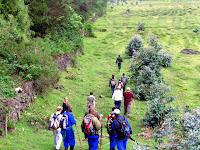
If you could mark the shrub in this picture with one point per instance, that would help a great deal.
(88, 29)
(140, 26)
(135, 44)
(166, 59)
(183, 132)
(152, 40)
(158, 110)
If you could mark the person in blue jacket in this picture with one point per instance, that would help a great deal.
(122, 136)
(68, 134)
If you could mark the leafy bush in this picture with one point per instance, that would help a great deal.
(140, 26)
(135, 44)
(183, 132)
(158, 110)
(10, 124)
(88, 29)
(152, 40)
(166, 59)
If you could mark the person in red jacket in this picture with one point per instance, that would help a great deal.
(128, 96)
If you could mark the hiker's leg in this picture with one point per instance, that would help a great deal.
(116, 104)
(125, 108)
(66, 148)
(71, 147)
(58, 138)
(120, 102)
(71, 137)
(112, 141)
(93, 142)
(65, 141)
(54, 137)
(129, 108)
(112, 89)
(120, 145)
(125, 143)
(124, 88)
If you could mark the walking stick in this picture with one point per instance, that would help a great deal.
(101, 139)
(79, 137)
(133, 140)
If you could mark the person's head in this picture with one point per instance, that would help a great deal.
(128, 88)
(69, 108)
(91, 93)
(114, 108)
(59, 109)
(91, 111)
(119, 55)
(123, 74)
(118, 88)
(116, 112)
(120, 79)
(65, 100)
(113, 76)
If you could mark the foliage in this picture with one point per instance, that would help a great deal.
(135, 44)
(158, 110)
(183, 132)
(140, 26)
(10, 124)
(166, 59)
(88, 29)
(152, 40)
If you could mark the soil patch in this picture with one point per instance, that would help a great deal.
(190, 51)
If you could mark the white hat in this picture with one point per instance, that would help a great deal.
(128, 88)
(117, 111)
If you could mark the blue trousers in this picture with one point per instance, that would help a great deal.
(68, 137)
(113, 142)
(118, 104)
(93, 141)
(121, 144)
(112, 89)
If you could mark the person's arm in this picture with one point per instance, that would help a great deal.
(72, 119)
(113, 97)
(49, 123)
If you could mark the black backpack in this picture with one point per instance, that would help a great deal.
(64, 121)
(122, 127)
(109, 123)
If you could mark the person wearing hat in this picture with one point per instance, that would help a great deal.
(128, 96)
(122, 136)
(117, 97)
(119, 60)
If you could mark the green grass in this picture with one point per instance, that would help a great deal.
(173, 22)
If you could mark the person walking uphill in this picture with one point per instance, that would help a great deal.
(65, 106)
(117, 97)
(127, 101)
(123, 129)
(90, 127)
(91, 99)
(54, 123)
(112, 83)
(124, 81)
(119, 60)
(67, 131)
(112, 134)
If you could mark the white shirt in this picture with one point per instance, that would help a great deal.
(117, 95)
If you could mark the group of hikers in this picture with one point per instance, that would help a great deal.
(118, 126)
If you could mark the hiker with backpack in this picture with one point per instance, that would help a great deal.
(119, 60)
(124, 81)
(117, 97)
(128, 96)
(112, 83)
(111, 132)
(120, 84)
(54, 124)
(123, 130)
(65, 105)
(90, 126)
(91, 99)
(67, 131)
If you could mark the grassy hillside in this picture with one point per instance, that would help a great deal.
(172, 22)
